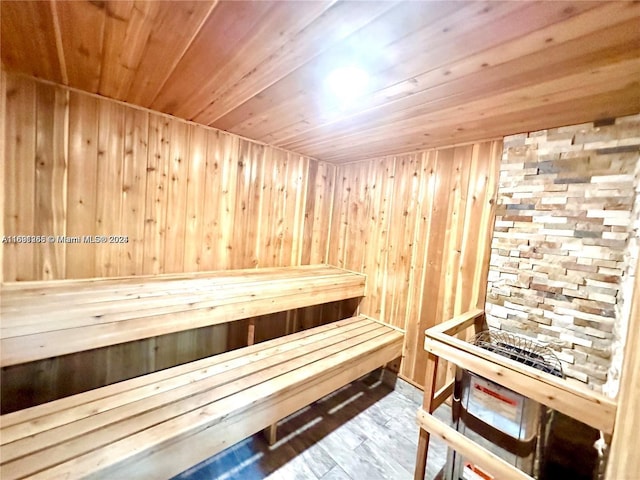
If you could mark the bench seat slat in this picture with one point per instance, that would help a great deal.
(98, 430)
(68, 403)
(215, 372)
(61, 342)
(27, 337)
(237, 275)
(160, 463)
(101, 299)
(244, 387)
(25, 322)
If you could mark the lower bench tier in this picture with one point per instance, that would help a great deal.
(157, 425)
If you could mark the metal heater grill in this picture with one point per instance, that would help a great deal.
(520, 349)
(501, 420)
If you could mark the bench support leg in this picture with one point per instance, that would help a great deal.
(271, 433)
(428, 406)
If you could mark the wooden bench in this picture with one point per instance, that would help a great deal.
(157, 425)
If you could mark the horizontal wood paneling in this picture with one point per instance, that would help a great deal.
(259, 69)
(189, 198)
(419, 226)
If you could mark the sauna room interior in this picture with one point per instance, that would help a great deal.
(320, 240)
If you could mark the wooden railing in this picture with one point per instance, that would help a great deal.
(575, 401)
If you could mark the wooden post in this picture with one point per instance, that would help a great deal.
(271, 433)
(428, 406)
(480, 323)
(624, 461)
(251, 332)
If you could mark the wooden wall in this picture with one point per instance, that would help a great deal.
(194, 198)
(189, 198)
(623, 461)
(419, 226)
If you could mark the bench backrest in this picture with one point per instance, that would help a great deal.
(51, 318)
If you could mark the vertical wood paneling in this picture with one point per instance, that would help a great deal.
(417, 225)
(3, 161)
(189, 198)
(197, 164)
(156, 199)
(176, 198)
(381, 176)
(420, 268)
(297, 173)
(623, 462)
(317, 216)
(111, 138)
(134, 191)
(51, 178)
(269, 240)
(19, 189)
(220, 201)
(402, 224)
(82, 184)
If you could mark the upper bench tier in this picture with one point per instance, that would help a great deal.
(50, 318)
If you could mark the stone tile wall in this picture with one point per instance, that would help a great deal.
(564, 243)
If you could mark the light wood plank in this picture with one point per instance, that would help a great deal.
(3, 162)
(146, 441)
(212, 381)
(82, 184)
(242, 425)
(171, 34)
(111, 136)
(18, 45)
(52, 152)
(128, 28)
(82, 27)
(156, 199)
(93, 325)
(175, 220)
(134, 192)
(195, 212)
(19, 175)
(622, 462)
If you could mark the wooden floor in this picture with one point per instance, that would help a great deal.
(364, 430)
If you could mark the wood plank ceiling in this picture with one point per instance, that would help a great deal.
(440, 73)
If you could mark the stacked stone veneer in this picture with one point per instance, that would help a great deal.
(564, 246)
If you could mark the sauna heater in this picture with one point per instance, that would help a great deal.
(504, 422)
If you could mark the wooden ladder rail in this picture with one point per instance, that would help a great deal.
(578, 402)
(432, 399)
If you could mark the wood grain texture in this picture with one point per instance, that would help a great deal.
(19, 177)
(187, 197)
(54, 319)
(52, 150)
(259, 69)
(419, 226)
(80, 165)
(622, 462)
(129, 425)
(3, 162)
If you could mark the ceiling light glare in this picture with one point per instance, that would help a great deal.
(347, 83)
